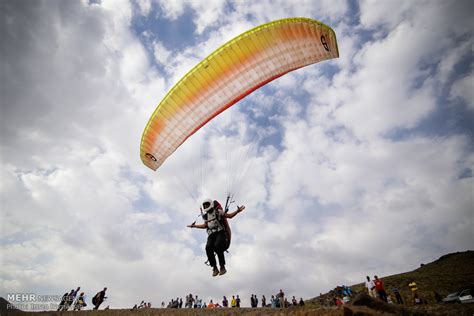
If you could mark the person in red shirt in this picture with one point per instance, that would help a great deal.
(211, 305)
(380, 289)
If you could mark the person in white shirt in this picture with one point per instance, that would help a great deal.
(370, 286)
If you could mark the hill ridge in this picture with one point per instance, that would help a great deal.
(449, 273)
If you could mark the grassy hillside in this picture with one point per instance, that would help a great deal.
(450, 273)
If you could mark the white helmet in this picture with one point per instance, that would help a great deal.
(207, 205)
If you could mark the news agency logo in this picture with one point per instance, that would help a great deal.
(32, 302)
(21, 297)
(31, 298)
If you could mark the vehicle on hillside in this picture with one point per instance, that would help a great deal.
(452, 298)
(466, 296)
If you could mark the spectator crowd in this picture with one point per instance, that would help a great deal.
(277, 300)
(375, 288)
(74, 300)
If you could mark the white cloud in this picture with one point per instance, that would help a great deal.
(160, 52)
(144, 7)
(447, 65)
(463, 89)
(382, 91)
(266, 11)
(208, 13)
(374, 13)
(172, 9)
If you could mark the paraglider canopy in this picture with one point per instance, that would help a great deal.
(230, 73)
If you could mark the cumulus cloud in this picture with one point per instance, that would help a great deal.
(172, 9)
(144, 7)
(462, 89)
(160, 52)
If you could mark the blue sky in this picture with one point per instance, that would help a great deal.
(356, 166)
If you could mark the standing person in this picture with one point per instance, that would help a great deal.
(281, 298)
(347, 291)
(397, 295)
(380, 289)
(273, 301)
(416, 299)
(174, 304)
(301, 301)
(252, 301)
(225, 302)
(237, 300)
(293, 301)
(264, 301)
(80, 302)
(218, 231)
(63, 301)
(70, 299)
(99, 298)
(414, 289)
(233, 302)
(370, 286)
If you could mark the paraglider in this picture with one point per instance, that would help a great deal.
(218, 230)
(229, 74)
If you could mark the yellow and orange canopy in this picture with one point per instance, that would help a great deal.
(230, 73)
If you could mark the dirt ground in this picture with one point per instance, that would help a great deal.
(348, 310)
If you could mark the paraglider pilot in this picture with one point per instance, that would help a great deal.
(218, 230)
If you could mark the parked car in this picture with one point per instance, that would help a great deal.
(466, 296)
(452, 298)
